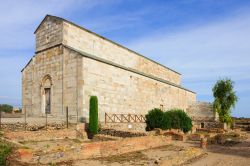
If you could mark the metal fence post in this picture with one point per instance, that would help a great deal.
(67, 117)
(77, 116)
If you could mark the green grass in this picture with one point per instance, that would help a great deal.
(5, 150)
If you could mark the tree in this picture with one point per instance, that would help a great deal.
(6, 108)
(93, 115)
(224, 99)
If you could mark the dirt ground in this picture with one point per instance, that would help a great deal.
(235, 155)
(177, 153)
(214, 155)
(166, 155)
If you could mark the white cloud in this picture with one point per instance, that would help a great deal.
(203, 53)
(19, 19)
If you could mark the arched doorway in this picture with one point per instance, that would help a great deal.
(46, 91)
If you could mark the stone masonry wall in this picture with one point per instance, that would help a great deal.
(49, 33)
(48, 62)
(73, 82)
(27, 87)
(121, 91)
(63, 69)
(201, 110)
(88, 42)
(74, 78)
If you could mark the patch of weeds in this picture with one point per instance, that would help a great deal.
(29, 142)
(77, 141)
(47, 146)
(5, 150)
(170, 148)
(52, 164)
(132, 157)
(1, 134)
(192, 160)
(25, 147)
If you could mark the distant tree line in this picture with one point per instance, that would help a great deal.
(6, 108)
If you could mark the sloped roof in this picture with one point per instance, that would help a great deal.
(64, 20)
(90, 56)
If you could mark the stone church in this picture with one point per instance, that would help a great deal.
(72, 63)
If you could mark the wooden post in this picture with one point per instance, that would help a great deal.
(105, 117)
(77, 116)
(46, 115)
(67, 117)
(25, 116)
(0, 119)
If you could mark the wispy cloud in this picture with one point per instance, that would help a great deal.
(20, 18)
(203, 52)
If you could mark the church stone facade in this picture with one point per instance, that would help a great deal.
(72, 63)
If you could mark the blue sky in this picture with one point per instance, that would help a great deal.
(203, 39)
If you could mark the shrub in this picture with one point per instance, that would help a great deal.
(93, 115)
(6, 108)
(166, 121)
(154, 119)
(184, 121)
(172, 119)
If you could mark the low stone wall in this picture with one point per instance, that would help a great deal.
(90, 150)
(109, 148)
(132, 127)
(207, 124)
(10, 115)
(31, 127)
(22, 136)
(123, 134)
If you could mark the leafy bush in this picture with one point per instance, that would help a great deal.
(6, 108)
(184, 121)
(172, 119)
(5, 150)
(93, 115)
(154, 118)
